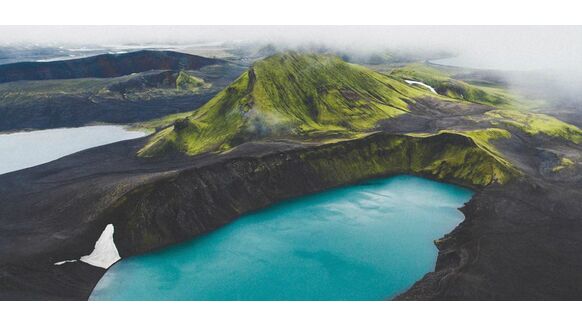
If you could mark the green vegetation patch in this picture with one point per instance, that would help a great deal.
(482, 139)
(445, 156)
(445, 85)
(564, 163)
(442, 80)
(161, 123)
(185, 81)
(533, 124)
(510, 109)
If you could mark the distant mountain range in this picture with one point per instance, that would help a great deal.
(112, 88)
(104, 66)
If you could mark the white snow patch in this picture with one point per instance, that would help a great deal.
(63, 262)
(105, 252)
(423, 84)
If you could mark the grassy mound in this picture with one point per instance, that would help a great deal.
(185, 81)
(289, 95)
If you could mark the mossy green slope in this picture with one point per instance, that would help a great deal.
(289, 95)
(307, 97)
(533, 124)
(509, 109)
(482, 139)
(446, 156)
(445, 85)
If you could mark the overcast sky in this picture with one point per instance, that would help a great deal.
(513, 47)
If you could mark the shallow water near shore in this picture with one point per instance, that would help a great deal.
(369, 241)
(21, 150)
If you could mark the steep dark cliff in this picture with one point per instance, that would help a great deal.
(157, 202)
(199, 200)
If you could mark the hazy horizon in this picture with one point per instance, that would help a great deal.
(555, 52)
(508, 47)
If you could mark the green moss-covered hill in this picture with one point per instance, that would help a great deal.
(445, 85)
(320, 98)
(289, 95)
(508, 109)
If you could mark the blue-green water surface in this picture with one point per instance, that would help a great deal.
(369, 241)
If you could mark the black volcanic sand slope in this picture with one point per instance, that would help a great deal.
(521, 241)
(118, 89)
(521, 238)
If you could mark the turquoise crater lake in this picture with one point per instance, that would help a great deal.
(369, 241)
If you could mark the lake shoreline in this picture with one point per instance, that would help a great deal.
(101, 184)
(26, 149)
(378, 215)
(120, 158)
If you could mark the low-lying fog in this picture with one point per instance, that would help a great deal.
(550, 56)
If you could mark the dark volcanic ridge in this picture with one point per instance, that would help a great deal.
(104, 66)
(116, 89)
